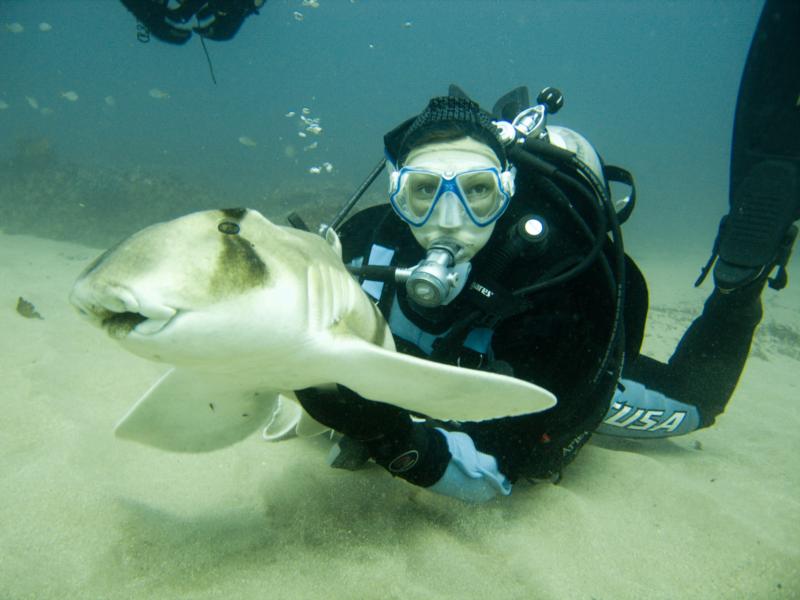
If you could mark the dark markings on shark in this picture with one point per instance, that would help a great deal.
(234, 213)
(238, 267)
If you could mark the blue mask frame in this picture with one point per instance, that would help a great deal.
(446, 184)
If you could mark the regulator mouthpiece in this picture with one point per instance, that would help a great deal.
(434, 281)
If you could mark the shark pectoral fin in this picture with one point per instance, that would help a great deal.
(289, 420)
(189, 410)
(440, 391)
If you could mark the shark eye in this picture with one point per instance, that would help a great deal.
(228, 227)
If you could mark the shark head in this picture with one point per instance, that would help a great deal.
(214, 287)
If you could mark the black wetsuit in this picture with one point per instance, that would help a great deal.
(554, 339)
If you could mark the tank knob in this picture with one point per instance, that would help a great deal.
(552, 98)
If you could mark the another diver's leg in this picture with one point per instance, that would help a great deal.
(765, 155)
(755, 239)
(709, 359)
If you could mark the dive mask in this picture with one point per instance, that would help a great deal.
(483, 193)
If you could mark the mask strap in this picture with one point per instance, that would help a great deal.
(507, 181)
(394, 180)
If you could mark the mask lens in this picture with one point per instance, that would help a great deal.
(421, 191)
(481, 192)
(478, 191)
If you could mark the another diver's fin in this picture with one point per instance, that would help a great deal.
(512, 103)
(757, 235)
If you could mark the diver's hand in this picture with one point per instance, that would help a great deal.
(414, 451)
(346, 412)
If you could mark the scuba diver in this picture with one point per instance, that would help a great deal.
(500, 249)
(173, 21)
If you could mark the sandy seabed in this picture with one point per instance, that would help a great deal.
(715, 514)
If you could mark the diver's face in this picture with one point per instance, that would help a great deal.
(449, 221)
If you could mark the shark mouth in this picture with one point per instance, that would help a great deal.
(120, 312)
(119, 325)
(145, 322)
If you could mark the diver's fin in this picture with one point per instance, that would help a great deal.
(765, 155)
(512, 103)
(190, 410)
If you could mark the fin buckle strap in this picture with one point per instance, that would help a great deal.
(781, 279)
(706, 269)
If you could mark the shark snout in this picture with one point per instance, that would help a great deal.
(119, 309)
